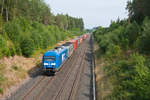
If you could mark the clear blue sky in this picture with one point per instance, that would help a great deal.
(93, 12)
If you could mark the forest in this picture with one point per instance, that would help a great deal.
(29, 25)
(125, 48)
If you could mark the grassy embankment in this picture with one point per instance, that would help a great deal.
(103, 82)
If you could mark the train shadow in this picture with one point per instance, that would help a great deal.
(89, 59)
(37, 71)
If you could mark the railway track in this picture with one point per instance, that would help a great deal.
(38, 83)
(44, 78)
(64, 81)
(80, 62)
(77, 79)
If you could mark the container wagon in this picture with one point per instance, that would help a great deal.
(81, 39)
(75, 44)
(78, 39)
(69, 46)
(84, 36)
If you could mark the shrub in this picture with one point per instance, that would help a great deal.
(113, 50)
(125, 44)
(104, 42)
(132, 78)
(13, 31)
(1, 23)
(2, 81)
(37, 38)
(14, 67)
(27, 46)
(143, 43)
(1, 91)
(4, 50)
(132, 31)
(18, 48)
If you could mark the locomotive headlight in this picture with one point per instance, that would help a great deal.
(53, 63)
(45, 63)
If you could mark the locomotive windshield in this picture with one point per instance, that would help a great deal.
(49, 58)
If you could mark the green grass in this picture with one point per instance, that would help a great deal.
(17, 68)
(14, 67)
(2, 67)
(3, 80)
(1, 91)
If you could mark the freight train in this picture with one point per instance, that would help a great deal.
(54, 59)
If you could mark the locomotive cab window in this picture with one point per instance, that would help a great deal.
(50, 58)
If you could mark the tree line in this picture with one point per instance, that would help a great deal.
(125, 45)
(29, 25)
(39, 11)
(138, 10)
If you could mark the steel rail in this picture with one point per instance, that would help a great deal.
(67, 77)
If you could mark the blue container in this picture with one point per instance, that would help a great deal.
(53, 59)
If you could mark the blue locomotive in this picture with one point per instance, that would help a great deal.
(53, 59)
